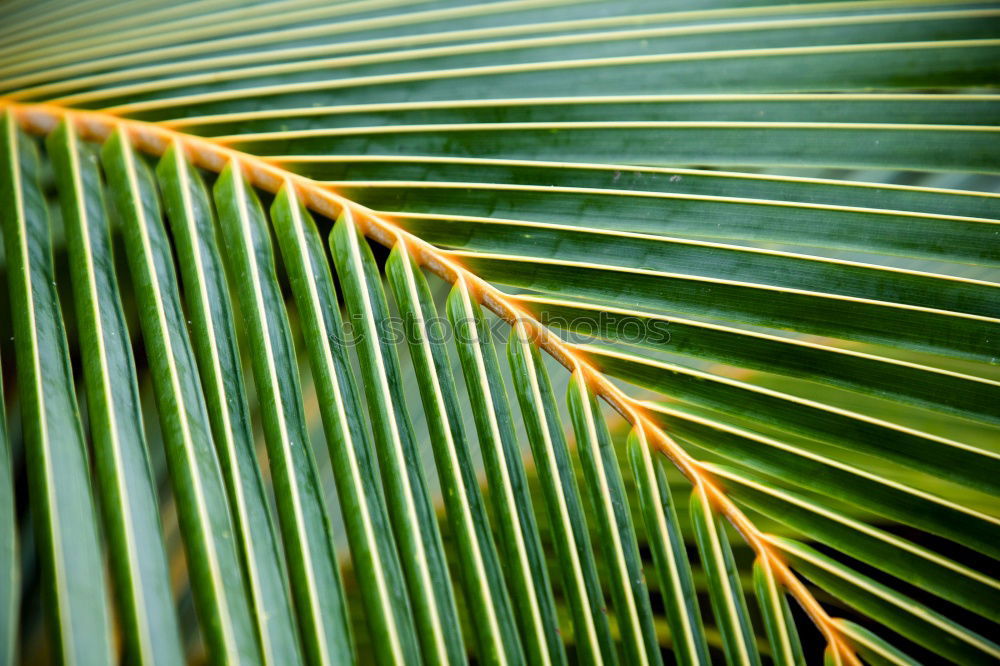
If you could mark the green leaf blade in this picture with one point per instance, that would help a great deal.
(716, 260)
(786, 649)
(192, 223)
(729, 144)
(900, 613)
(562, 498)
(527, 575)
(414, 522)
(881, 322)
(810, 471)
(614, 520)
(216, 572)
(373, 545)
(10, 567)
(924, 385)
(65, 521)
(129, 498)
(887, 219)
(874, 649)
(728, 603)
(975, 466)
(315, 576)
(669, 555)
(909, 562)
(482, 579)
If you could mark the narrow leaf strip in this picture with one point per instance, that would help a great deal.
(861, 487)
(966, 394)
(790, 308)
(871, 217)
(715, 260)
(412, 514)
(922, 625)
(728, 604)
(555, 472)
(874, 649)
(885, 65)
(974, 465)
(55, 451)
(131, 509)
(373, 546)
(192, 222)
(483, 582)
(729, 143)
(521, 548)
(10, 566)
(894, 555)
(315, 577)
(216, 574)
(786, 650)
(614, 522)
(669, 556)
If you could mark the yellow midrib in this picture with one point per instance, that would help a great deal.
(260, 172)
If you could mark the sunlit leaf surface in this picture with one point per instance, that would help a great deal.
(506, 332)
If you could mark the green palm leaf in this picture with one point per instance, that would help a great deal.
(372, 543)
(134, 533)
(574, 554)
(214, 338)
(526, 574)
(406, 487)
(490, 609)
(315, 578)
(67, 529)
(669, 555)
(757, 244)
(195, 473)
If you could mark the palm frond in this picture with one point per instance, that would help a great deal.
(757, 243)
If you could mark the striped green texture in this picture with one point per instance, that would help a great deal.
(527, 577)
(786, 649)
(9, 548)
(216, 572)
(482, 578)
(305, 525)
(768, 228)
(668, 552)
(728, 602)
(614, 525)
(373, 546)
(562, 499)
(192, 222)
(129, 501)
(66, 527)
(895, 610)
(413, 519)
